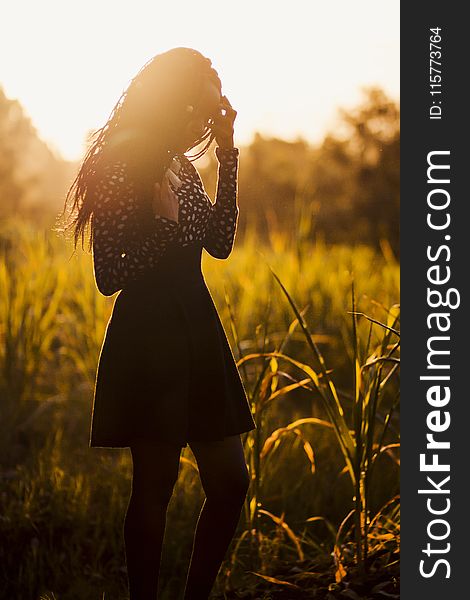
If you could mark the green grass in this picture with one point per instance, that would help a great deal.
(322, 511)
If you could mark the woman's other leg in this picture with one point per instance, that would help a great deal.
(225, 479)
(155, 472)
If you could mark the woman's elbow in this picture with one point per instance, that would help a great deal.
(106, 291)
(106, 286)
(219, 247)
(220, 252)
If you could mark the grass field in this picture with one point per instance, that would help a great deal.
(322, 513)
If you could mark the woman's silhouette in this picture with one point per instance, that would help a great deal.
(166, 376)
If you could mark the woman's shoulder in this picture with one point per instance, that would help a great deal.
(113, 183)
(110, 160)
(113, 172)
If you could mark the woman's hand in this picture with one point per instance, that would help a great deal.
(223, 124)
(165, 200)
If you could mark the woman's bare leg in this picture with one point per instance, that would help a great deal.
(225, 479)
(155, 472)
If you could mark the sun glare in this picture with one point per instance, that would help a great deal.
(286, 71)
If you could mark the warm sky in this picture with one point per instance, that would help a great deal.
(286, 67)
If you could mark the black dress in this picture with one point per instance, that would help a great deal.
(166, 370)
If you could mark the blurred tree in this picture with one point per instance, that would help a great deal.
(33, 179)
(356, 178)
(271, 177)
(13, 130)
(348, 186)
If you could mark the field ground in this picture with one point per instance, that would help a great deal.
(314, 525)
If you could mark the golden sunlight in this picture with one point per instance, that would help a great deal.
(285, 70)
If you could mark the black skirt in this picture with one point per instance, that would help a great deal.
(166, 370)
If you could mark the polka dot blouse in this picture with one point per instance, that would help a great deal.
(120, 256)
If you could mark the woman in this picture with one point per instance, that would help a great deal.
(166, 376)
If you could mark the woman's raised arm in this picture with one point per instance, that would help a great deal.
(222, 225)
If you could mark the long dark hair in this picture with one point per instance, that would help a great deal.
(150, 114)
